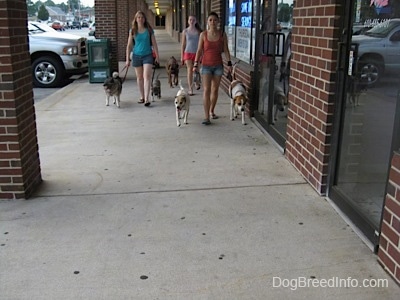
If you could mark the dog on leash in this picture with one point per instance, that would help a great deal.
(113, 88)
(237, 93)
(280, 100)
(172, 67)
(156, 88)
(355, 90)
(182, 105)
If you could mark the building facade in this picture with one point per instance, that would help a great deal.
(334, 63)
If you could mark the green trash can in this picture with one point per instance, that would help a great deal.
(99, 56)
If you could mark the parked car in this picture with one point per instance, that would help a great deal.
(85, 23)
(285, 25)
(55, 56)
(92, 29)
(58, 26)
(75, 25)
(378, 51)
(359, 29)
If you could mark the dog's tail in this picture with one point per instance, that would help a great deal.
(180, 84)
(234, 70)
(115, 75)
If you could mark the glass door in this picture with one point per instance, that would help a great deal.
(369, 87)
(273, 67)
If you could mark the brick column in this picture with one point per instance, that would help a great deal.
(389, 243)
(19, 156)
(312, 89)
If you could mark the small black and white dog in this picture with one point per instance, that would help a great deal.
(113, 88)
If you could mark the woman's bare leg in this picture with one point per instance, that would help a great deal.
(215, 81)
(206, 95)
(140, 81)
(148, 71)
(189, 66)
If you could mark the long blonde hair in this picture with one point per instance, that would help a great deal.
(135, 24)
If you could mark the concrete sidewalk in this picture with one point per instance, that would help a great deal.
(133, 207)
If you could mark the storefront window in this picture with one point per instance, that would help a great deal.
(373, 97)
(240, 30)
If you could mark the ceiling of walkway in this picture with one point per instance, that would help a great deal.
(163, 5)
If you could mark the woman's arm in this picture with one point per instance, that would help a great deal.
(183, 45)
(155, 47)
(199, 47)
(226, 51)
(199, 51)
(129, 48)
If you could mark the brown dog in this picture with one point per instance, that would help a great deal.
(172, 67)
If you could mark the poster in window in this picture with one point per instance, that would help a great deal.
(243, 29)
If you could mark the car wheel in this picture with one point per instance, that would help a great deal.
(370, 72)
(47, 72)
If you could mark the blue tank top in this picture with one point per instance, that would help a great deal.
(142, 44)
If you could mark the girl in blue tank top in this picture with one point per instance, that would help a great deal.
(141, 43)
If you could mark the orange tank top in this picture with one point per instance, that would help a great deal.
(212, 51)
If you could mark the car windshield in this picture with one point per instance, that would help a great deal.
(39, 28)
(382, 29)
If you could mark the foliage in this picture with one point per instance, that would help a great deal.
(284, 12)
(43, 14)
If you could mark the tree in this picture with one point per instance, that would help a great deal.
(43, 14)
(284, 12)
(32, 9)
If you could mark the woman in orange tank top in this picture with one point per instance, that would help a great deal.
(212, 43)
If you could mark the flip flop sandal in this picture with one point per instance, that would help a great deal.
(147, 104)
(141, 101)
(214, 116)
(206, 122)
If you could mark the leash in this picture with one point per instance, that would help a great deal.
(154, 72)
(126, 72)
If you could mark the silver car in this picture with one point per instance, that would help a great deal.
(378, 51)
(55, 56)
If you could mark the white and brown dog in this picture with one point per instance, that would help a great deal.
(182, 105)
(113, 88)
(238, 95)
(280, 100)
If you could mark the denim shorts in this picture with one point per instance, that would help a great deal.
(140, 60)
(212, 70)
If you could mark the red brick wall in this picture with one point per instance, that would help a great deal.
(389, 243)
(19, 156)
(106, 26)
(312, 80)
